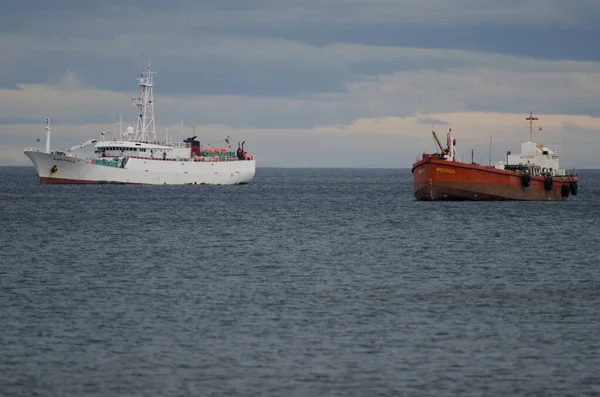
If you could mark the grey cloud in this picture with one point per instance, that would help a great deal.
(379, 21)
(277, 64)
(431, 121)
(514, 85)
(245, 12)
(104, 41)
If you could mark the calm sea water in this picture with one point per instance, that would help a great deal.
(311, 282)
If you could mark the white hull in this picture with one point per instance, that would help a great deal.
(141, 171)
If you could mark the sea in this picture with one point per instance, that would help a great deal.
(305, 282)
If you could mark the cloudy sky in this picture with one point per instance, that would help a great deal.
(308, 83)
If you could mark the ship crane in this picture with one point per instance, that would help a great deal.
(84, 144)
(444, 151)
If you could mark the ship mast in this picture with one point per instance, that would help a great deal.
(145, 130)
(121, 124)
(531, 118)
(47, 135)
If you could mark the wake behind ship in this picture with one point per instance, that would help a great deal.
(533, 174)
(136, 157)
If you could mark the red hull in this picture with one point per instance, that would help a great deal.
(436, 179)
(63, 181)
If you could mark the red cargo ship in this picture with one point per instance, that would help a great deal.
(534, 174)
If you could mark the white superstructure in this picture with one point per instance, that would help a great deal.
(538, 159)
(137, 157)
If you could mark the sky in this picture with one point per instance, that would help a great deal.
(308, 83)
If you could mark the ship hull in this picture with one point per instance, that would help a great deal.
(435, 179)
(62, 169)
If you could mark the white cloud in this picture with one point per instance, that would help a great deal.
(323, 128)
(386, 142)
(69, 99)
(466, 88)
(494, 82)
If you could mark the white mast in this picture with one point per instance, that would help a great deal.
(47, 135)
(121, 125)
(181, 126)
(145, 130)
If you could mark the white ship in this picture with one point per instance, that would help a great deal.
(137, 157)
